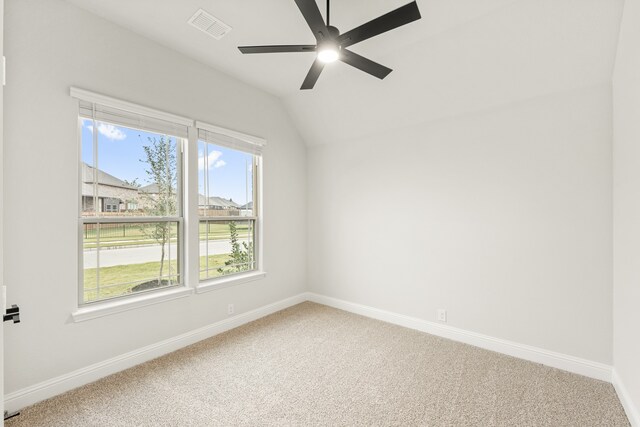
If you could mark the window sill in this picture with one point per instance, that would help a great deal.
(226, 282)
(112, 307)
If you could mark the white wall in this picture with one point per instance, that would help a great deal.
(51, 45)
(503, 218)
(1, 204)
(626, 202)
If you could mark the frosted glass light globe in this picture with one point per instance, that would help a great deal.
(328, 55)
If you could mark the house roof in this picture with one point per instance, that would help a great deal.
(216, 201)
(103, 178)
(150, 189)
(107, 179)
(220, 201)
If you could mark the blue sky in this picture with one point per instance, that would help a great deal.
(120, 151)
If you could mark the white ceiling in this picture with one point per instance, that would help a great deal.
(462, 56)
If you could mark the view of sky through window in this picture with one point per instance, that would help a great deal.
(229, 173)
(120, 153)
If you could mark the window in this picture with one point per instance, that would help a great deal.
(132, 204)
(228, 171)
(131, 218)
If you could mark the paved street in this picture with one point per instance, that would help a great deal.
(138, 255)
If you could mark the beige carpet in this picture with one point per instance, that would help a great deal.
(314, 365)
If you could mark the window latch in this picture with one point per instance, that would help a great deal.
(12, 314)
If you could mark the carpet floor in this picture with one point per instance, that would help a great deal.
(311, 365)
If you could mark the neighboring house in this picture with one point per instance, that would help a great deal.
(221, 203)
(148, 195)
(113, 194)
(150, 189)
(216, 203)
(246, 209)
(217, 206)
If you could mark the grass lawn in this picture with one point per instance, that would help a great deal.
(118, 280)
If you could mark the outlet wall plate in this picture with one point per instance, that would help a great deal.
(442, 315)
(230, 309)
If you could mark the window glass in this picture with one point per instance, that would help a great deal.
(121, 259)
(129, 177)
(129, 172)
(226, 192)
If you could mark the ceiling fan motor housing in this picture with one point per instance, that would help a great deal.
(333, 32)
(329, 42)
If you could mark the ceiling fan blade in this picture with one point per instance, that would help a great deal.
(312, 75)
(364, 64)
(312, 15)
(278, 48)
(394, 19)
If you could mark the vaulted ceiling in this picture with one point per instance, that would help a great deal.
(462, 56)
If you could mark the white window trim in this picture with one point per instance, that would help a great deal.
(261, 142)
(179, 218)
(189, 218)
(229, 281)
(259, 272)
(107, 101)
(108, 307)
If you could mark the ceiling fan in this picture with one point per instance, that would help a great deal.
(331, 45)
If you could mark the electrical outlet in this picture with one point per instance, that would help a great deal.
(231, 309)
(442, 315)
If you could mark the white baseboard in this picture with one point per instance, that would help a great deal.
(46, 389)
(565, 362)
(633, 412)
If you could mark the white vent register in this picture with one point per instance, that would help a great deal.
(209, 24)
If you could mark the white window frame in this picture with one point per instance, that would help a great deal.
(189, 218)
(134, 110)
(251, 145)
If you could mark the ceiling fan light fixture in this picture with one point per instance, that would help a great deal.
(328, 54)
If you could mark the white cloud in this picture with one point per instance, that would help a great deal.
(212, 159)
(219, 164)
(110, 131)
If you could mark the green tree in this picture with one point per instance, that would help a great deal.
(161, 170)
(241, 257)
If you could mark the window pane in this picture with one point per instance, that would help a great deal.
(127, 258)
(225, 181)
(136, 172)
(88, 178)
(226, 247)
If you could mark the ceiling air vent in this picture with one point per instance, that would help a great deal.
(209, 24)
